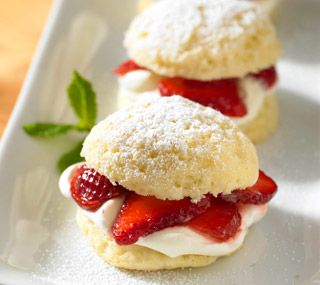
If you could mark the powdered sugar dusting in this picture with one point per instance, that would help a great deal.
(171, 147)
(166, 122)
(213, 20)
(70, 260)
(202, 39)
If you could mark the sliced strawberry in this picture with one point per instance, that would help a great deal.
(220, 222)
(222, 95)
(268, 76)
(260, 193)
(90, 189)
(143, 215)
(126, 67)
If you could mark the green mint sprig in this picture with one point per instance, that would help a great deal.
(82, 99)
(47, 129)
(70, 157)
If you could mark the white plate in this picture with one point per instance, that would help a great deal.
(38, 223)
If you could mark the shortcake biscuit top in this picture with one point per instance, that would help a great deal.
(171, 148)
(203, 39)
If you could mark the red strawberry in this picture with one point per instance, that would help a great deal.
(90, 189)
(268, 76)
(260, 193)
(220, 222)
(126, 67)
(143, 215)
(222, 95)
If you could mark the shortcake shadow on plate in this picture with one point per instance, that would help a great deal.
(293, 152)
(304, 20)
(282, 249)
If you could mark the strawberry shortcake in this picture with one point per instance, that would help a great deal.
(221, 54)
(167, 183)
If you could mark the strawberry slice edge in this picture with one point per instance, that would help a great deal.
(127, 67)
(222, 95)
(260, 193)
(220, 222)
(140, 216)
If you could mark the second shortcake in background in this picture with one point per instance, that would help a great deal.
(218, 53)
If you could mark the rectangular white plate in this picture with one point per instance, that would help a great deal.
(37, 222)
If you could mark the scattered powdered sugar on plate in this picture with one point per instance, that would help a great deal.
(70, 260)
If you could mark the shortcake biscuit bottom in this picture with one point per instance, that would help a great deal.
(265, 123)
(135, 257)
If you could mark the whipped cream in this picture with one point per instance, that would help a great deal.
(181, 240)
(65, 178)
(172, 241)
(135, 84)
(145, 83)
(253, 93)
(140, 81)
(106, 214)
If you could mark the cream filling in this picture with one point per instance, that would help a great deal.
(182, 240)
(172, 241)
(135, 84)
(253, 93)
(139, 83)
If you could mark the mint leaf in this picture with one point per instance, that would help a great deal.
(82, 99)
(71, 157)
(47, 129)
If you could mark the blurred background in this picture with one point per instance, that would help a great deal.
(21, 24)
